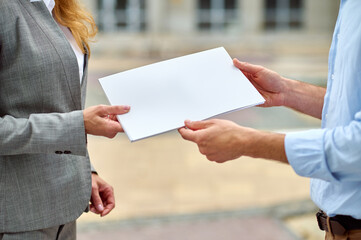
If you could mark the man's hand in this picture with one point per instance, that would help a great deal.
(269, 83)
(101, 120)
(222, 140)
(219, 140)
(280, 91)
(102, 197)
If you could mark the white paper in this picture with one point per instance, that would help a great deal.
(162, 95)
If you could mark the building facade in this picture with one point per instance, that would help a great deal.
(193, 19)
(229, 16)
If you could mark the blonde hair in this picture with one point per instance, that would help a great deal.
(71, 14)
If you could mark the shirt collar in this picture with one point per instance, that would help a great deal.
(50, 4)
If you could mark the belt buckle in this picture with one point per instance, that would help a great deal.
(321, 221)
(334, 227)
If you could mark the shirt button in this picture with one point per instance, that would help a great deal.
(58, 152)
(333, 76)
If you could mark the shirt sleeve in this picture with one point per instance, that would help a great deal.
(327, 154)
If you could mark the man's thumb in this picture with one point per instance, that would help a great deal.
(195, 125)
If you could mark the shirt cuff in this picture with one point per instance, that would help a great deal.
(305, 153)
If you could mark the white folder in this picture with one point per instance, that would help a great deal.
(162, 95)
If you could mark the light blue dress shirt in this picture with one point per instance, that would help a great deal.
(331, 156)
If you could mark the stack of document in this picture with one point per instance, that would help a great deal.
(162, 95)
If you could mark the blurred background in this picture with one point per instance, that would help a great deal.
(164, 188)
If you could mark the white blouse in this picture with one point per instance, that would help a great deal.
(78, 53)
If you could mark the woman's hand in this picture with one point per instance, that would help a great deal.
(102, 197)
(101, 120)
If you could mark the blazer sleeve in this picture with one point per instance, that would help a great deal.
(92, 168)
(43, 133)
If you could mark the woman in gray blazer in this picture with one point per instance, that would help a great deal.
(46, 180)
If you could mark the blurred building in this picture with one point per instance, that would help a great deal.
(152, 25)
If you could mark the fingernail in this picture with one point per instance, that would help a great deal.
(187, 121)
(126, 108)
(100, 207)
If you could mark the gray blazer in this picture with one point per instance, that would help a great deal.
(45, 173)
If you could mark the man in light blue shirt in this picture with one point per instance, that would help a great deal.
(331, 156)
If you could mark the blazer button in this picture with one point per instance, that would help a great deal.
(67, 152)
(58, 152)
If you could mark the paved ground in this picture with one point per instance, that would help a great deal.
(166, 190)
(253, 224)
(166, 178)
(256, 228)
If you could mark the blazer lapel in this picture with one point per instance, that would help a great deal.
(85, 77)
(58, 40)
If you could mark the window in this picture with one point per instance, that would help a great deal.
(283, 14)
(128, 15)
(216, 15)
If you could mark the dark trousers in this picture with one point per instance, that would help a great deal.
(350, 235)
(63, 232)
(339, 227)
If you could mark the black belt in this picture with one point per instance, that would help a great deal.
(339, 224)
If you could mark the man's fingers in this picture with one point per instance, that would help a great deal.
(187, 134)
(246, 67)
(190, 131)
